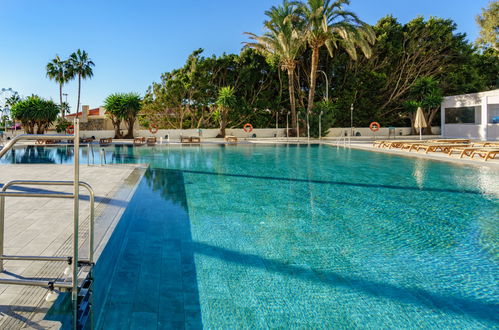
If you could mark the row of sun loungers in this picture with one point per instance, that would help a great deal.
(465, 147)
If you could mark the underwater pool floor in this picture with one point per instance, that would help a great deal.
(299, 237)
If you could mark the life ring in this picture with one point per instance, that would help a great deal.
(374, 126)
(70, 129)
(248, 128)
(153, 128)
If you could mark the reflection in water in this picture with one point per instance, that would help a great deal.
(419, 171)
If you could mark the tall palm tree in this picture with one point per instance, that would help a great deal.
(57, 71)
(328, 24)
(80, 65)
(282, 41)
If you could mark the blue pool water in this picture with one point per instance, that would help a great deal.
(299, 237)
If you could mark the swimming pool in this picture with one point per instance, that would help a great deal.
(301, 237)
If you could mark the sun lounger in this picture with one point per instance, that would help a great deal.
(43, 142)
(195, 139)
(466, 151)
(486, 144)
(138, 141)
(461, 141)
(185, 139)
(86, 140)
(231, 139)
(490, 153)
(105, 141)
(434, 147)
(151, 141)
(398, 143)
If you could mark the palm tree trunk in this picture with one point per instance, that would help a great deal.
(292, 99)
(79, 88)
(60, 98)
(313, 78)
(223, 123)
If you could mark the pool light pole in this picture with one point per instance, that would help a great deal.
(276, 124)
(308, 126)
(327, 84)
(320, 124)
(351, 119)
(287, 125)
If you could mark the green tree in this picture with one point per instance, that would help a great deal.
(57, 70)
(425, 93)
(123, 107)
(328, 24)
(283, 42)
(488, 22)
(35, 112)
(79, 65)
(226, 101)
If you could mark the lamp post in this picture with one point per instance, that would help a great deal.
(351, 119)
(320, 125)
(327, 84)
(287, 125)
(308, 127)
(276, 124)
(298, 125)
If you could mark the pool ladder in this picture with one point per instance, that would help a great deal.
(81, 289)
(343, 140)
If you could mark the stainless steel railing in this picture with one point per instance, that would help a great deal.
(75, 195)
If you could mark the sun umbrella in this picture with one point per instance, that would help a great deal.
(420, 122)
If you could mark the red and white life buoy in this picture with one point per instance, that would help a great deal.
(374, 126)
(248, 128)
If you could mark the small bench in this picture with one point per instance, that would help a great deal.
(231, 139)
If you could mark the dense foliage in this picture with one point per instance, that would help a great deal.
(35, 112)
(123, 107)
(408, 64)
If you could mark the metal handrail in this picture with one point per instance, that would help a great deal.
(4, 193)
(73, 285)
(31, 137)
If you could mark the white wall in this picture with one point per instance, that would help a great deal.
(462, 131)
(383, 131)
(174, 134)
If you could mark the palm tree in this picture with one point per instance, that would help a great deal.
(57, 71)
(226, 101)
(328, 24)
(282, 42)
(79, 64)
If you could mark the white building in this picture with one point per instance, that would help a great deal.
(471, 115)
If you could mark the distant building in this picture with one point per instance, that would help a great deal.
(92, 119)
(471, 115)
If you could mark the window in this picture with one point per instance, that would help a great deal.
(464, 115)
(494, 114)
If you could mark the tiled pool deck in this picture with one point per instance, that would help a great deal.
(43, 226)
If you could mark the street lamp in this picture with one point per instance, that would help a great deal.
(287, 125)
(351, 119)
(298, 125)
(327, 84)
(276, 124)
(308, 126)
(320, 125)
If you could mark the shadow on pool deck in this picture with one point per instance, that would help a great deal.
(414, 296)
(339, 183)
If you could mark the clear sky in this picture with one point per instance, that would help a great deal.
(133, 42)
